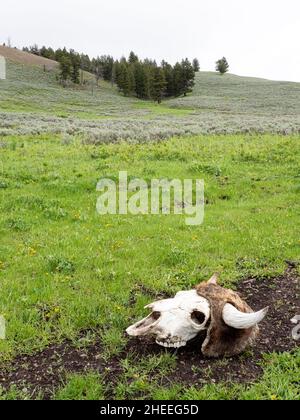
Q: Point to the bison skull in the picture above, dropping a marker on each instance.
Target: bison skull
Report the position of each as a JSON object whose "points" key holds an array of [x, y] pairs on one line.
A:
{"points": [[175, 321]]}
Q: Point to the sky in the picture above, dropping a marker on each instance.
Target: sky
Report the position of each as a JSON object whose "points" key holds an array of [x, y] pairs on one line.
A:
{"points": [[259, 38]]}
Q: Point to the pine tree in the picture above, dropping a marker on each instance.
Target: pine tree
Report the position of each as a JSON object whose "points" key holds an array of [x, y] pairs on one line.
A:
{"points": [[133, 58], [97, 69], [107, 64], [222, 66], [196, 65], [177, 79], [117, 71], [169, 77], [113, 74], [158, 85], [123, 80], [188, 77], [59, 54], [65, 67], [34, 49], [141, 77], [85, 62], [47, 53], [75, 63], [131, 79]]}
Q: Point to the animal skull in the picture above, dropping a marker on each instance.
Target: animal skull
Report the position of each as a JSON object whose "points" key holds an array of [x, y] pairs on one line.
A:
{"points": [[174, 322]]}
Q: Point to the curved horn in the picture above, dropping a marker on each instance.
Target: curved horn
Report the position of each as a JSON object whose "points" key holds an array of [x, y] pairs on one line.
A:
{"points": [[241, 320], [214, 279]]}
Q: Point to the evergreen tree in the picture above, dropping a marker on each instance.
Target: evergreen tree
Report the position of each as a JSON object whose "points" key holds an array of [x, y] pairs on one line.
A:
{"points": [[97, 69], [150, 63], [59, 54], [34, 49], [222, 66], [123, 79], [75, 64], [177, 79], [158, 85], [131, 77], [46, 52], [187, 77], [123, 60], [113, 74], [169, 77], [141, 77], [196, 65], [133, 58], [107, 63], [65, 67], [116, 72], [85, 62]]}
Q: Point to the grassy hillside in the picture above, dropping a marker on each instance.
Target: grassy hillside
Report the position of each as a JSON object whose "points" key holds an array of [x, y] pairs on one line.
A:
{"points": [[31, 101], [243, 95]]}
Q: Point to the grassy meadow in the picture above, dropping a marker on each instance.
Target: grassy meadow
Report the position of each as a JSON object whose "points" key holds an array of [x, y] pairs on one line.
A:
{"points": [[68, 273]]}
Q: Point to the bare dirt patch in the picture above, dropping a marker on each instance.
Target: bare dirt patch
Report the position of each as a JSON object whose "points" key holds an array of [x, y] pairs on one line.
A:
{"points": [[23, 57], [45, 371]]}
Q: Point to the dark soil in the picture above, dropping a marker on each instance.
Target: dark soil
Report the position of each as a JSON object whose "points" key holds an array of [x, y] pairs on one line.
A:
{"points": [[46, 371]]}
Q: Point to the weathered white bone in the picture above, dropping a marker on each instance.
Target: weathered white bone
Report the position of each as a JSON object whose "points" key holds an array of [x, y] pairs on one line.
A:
{"points": [[175, 321], [241, 320], [142, 327]]}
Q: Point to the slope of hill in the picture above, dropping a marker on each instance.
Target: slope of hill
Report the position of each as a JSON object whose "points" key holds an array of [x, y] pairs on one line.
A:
{"points": [[22, 57], [249, 95], [31, 100]]}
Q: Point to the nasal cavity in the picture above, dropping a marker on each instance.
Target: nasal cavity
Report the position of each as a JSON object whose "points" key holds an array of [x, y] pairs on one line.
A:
{"points": [[155, 315]]}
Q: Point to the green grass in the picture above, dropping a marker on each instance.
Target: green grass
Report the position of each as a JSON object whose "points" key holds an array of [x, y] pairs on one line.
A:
{"points": [[64, 268], [161, 109], [279, 382], [82, 387]]}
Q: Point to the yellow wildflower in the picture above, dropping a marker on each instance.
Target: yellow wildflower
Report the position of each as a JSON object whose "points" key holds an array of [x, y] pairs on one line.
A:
{"points": [[31, 252]]}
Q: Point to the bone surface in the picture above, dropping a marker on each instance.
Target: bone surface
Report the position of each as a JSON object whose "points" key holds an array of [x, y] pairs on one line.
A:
{"points": [[173, 322]]}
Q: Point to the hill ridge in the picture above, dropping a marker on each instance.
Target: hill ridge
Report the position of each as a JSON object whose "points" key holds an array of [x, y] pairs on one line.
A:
{"points": [[22, 57]]}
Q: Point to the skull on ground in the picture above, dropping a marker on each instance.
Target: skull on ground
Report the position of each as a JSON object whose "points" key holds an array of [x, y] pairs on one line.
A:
{"points": [[230, 323], [173, 322]]}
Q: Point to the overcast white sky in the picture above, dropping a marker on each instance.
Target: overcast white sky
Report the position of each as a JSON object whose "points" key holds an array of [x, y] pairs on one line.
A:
{"points": [[258, 37]]}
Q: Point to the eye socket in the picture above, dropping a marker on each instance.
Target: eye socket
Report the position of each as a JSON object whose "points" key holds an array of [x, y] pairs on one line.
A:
{"points": [[156, 315], [198, 317]]}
